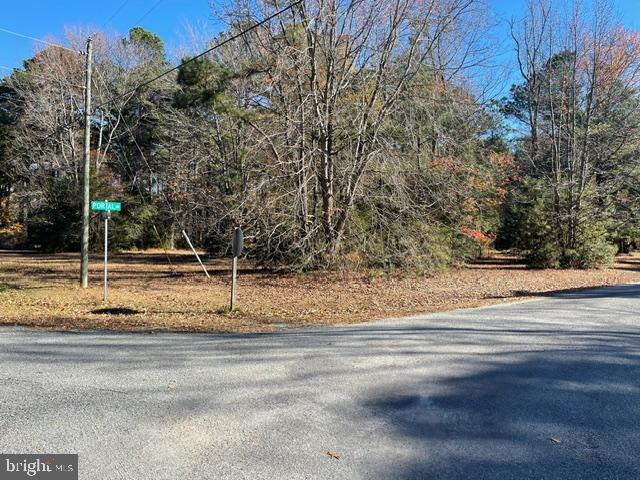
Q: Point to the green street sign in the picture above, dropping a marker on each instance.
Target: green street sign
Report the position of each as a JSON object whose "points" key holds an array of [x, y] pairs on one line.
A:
{"points": [[101, 206]]}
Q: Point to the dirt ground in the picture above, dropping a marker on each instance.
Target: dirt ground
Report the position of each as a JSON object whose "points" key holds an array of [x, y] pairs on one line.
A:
{"points": [[148, 293]]}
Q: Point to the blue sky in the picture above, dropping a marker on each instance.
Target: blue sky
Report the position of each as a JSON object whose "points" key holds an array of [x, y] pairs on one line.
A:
{"points": [[40, 18], [629, 10]]}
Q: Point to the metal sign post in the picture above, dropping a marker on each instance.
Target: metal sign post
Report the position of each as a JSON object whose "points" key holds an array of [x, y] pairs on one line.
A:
{"points": [[236, 249], [106, 207], [106, 215]]}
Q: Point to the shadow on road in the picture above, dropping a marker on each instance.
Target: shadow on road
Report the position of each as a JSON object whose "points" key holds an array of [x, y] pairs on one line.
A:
{"points": [[555, 415], [461, 395], [617, 291]]}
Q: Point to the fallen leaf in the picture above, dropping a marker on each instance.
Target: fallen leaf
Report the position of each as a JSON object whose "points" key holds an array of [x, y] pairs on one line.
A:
{"points": [[333, 455]]}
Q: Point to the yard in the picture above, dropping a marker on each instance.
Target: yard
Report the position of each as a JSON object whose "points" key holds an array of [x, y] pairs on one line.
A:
{"points": [[153, 292]]}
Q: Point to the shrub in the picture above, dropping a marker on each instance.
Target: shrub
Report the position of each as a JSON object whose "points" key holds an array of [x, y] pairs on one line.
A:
{"points": [[593, 249], [406, 242], [55, 229], [546, 255], [13, 236], [529, 226]]}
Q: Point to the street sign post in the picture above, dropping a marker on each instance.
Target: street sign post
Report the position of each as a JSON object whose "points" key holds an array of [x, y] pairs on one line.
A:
{"points": [[106, 207], [236, 249], [106, 214]]}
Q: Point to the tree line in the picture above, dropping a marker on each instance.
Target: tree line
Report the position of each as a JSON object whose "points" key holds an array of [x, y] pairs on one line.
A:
{"points": [[353, 132]]}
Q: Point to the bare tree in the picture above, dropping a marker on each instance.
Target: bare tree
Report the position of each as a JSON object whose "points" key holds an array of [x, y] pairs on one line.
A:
{"points": [[329, 76]]}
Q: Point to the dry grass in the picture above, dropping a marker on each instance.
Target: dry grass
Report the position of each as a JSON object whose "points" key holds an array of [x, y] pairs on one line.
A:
{"points": [[41, 290]]}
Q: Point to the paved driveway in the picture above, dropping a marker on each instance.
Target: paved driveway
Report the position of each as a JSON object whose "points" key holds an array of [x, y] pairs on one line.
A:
{"points": [[546, 389]]}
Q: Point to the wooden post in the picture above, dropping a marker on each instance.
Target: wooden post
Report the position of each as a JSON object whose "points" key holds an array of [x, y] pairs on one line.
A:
{"points": [[86, 173], [234, 274], [237, 245]]}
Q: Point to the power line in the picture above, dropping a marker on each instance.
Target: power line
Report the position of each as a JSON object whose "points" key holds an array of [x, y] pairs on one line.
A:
{"points": [[110, 47], [118, 10], [133, 174], [148, 12], [8, 68], [218, 45], [10, 32], [135, 141]]}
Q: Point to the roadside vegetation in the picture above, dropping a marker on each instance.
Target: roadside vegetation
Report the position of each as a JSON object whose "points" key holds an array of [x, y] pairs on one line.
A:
{"points": [[357, 134]]}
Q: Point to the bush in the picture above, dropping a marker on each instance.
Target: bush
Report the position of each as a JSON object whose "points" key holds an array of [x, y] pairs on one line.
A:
{"points": [[593, 250], [529, 226], [134, 227], [544, 256], [406, 243], [13, 236], [12, 233], [55, 229]]}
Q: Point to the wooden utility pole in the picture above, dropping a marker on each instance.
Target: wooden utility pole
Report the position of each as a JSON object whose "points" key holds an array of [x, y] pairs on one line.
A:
{"points": [[86, 175]]}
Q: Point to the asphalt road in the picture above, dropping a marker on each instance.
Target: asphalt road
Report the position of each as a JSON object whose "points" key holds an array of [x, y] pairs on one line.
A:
{"points": [[546, 389]]}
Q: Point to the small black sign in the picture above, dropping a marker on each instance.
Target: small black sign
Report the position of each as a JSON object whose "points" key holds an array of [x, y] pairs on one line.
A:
{"points": [[238, 242]]}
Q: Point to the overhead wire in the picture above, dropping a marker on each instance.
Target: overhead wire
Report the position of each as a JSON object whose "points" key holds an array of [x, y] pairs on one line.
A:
{"points": [[39, 40], [148, 12], [17, 34], [118, 10], [200, 55], [142, 155], [163, 74], [160, 190], [167, 72], [135, 89]]}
